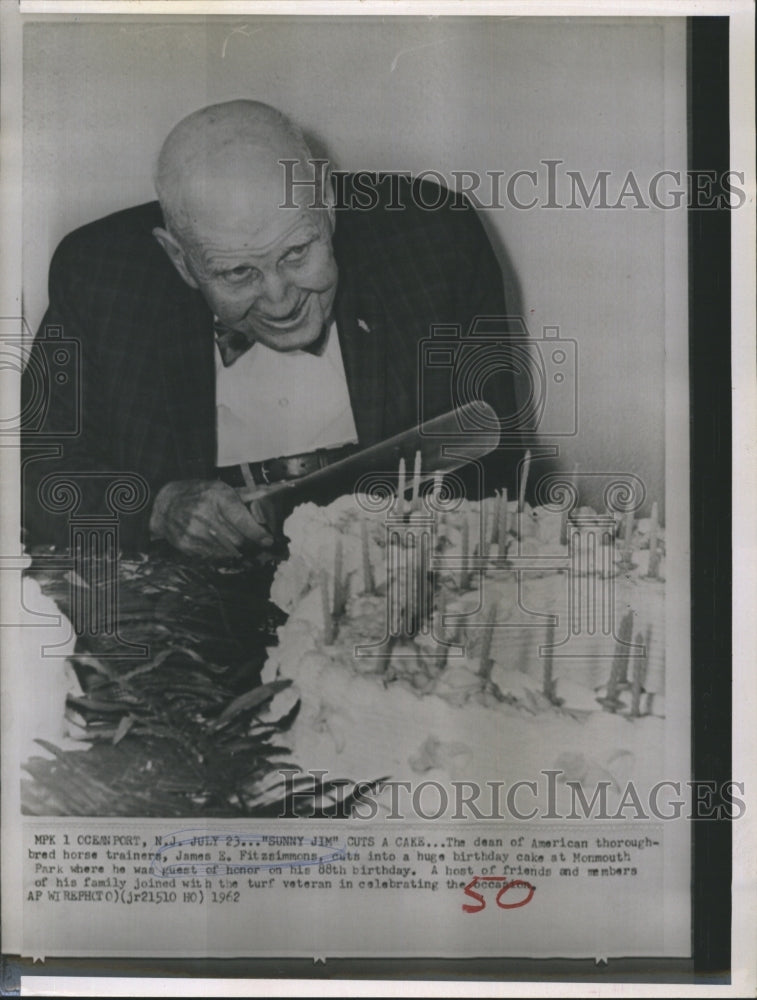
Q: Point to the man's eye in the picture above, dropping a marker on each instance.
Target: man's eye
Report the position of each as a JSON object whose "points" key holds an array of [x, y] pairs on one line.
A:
{"points": [[294, 254], [238, 274]]}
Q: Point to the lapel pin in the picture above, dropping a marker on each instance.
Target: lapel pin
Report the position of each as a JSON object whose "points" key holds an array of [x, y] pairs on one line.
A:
{"points": [[363, 326]]}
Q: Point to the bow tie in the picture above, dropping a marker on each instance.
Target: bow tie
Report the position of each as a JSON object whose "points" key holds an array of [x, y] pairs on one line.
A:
{"points": [[232, 344]]}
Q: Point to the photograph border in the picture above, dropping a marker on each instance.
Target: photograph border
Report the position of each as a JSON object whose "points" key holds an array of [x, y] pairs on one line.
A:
{"points": [[712, 497]]}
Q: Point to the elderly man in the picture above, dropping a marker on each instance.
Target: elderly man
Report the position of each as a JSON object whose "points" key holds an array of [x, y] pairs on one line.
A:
{"points": [[241, 331]]}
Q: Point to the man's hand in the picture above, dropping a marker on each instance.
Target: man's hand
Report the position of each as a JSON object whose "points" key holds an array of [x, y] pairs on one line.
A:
{"points": [[206, 518]]}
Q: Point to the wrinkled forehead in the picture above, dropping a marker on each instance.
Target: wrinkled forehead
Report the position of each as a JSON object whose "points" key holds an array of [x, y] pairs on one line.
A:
{"points": [[247, 205]]}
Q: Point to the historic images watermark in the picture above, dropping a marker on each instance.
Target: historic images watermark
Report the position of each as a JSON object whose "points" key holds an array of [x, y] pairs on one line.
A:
{"points": [[545, 363], [550, 184], [93, 500], [584, 550], [548, 795]]}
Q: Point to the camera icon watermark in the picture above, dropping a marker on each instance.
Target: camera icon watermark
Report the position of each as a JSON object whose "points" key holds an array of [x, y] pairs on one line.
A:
{"points": [[52, 365], [468, 363]]}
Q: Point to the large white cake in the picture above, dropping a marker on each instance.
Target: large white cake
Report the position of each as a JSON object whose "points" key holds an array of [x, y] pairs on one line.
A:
{"points": [[474, 643]]}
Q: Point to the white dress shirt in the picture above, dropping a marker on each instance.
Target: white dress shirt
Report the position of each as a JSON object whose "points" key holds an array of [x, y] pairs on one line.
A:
{"points": [[270, 404]]}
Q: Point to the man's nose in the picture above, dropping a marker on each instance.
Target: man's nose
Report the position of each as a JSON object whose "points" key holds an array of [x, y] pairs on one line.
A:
{"points": [[276, 296]]}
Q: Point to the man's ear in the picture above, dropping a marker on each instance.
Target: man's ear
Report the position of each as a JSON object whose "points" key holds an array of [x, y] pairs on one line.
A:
{"points": [[329, 196], [175, 255]]}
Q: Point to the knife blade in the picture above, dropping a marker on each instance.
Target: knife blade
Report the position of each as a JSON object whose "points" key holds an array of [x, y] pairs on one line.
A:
{"points": [[467, 433]]}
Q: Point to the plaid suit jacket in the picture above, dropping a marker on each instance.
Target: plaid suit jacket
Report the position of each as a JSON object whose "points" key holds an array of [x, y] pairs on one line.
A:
{"points": [[142, 400]]}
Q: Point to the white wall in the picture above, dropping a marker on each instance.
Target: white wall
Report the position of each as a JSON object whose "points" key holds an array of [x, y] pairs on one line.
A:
{"points": [[408, 94]]}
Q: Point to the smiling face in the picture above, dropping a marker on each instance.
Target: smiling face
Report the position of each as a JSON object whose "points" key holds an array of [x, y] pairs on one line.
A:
{"points": [[279, 290], [266, 271], [274, 282]]}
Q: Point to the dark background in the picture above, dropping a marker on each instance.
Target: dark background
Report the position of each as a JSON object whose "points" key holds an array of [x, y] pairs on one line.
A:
{"points": [[710, 392]]}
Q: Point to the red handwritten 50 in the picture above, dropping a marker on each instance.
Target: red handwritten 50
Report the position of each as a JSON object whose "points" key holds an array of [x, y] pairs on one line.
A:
{"points": [[515, 884]]}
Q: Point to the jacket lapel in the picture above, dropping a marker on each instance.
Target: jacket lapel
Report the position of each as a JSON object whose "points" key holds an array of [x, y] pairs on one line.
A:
{"points": [[362, 337], [188, 368]]}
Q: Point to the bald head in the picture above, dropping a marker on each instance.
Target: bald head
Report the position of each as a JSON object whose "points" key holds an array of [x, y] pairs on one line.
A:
{"points": [[225, 158], [260, 254]]}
